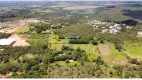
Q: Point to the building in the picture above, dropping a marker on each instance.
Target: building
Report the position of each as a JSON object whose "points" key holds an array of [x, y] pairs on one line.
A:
{"points": [[139, 33], [6, 42], [2, 31], [48, 31]]}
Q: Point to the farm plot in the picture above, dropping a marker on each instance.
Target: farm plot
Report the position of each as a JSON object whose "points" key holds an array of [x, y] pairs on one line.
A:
{"points": [[116, 57], [104, 49]]}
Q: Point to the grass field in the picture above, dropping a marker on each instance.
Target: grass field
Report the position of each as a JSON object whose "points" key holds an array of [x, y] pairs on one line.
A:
{"points": [[43, 11], [90, 49], [23, 29], [134, 49], [115, 57], [37, 39], [86, 11]]}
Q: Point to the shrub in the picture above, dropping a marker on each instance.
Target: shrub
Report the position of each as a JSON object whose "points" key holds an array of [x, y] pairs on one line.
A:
{"points": [[67, 61], [94, 42], [66, 48], [78, 41], [134, 61], [118, 47], [61, 37]]}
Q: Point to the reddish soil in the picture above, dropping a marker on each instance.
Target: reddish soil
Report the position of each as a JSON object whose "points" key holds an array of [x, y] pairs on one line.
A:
{"points": [[11, 29], [104, 49], [20, 40], [4, 76]]}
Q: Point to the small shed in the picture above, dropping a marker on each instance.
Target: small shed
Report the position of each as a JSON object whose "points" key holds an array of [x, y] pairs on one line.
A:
{"points": [[2, 31], [6, 42], [48, 31]]}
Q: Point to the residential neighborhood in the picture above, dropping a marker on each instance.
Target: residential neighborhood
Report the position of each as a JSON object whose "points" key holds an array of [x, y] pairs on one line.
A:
{"points": [[108, 27]]}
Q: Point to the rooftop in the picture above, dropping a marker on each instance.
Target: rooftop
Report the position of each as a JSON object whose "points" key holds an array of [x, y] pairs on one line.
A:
{"points": [[4, 42]]}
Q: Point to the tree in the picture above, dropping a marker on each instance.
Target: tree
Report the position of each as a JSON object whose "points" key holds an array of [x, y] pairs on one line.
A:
{"points": [[45, 59], [32, 62], [67, 61], [99, 60], [118, 47], [134, 61], [61, 37], [26, 66], [94, 42], [39, 27]]}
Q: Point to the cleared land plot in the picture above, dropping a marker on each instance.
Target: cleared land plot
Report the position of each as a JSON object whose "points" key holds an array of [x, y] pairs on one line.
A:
{"points": [[20, 40], [11, 29], [115, 58], [80, 7], [104, 49]]}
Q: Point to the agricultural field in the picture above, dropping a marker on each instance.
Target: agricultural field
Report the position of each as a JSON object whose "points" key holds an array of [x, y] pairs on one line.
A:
{"points": [[37, 39], [43, 11], [86, 11], [23, 29]]}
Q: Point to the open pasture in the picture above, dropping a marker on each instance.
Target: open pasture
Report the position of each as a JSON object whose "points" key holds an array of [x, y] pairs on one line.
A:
{"points": [[80, 7], [85, 11]]}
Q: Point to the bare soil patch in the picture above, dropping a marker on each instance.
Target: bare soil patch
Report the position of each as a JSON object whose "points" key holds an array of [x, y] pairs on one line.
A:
{"points": [[104, 49], [11, 29], [20, 40], [80, 7]]}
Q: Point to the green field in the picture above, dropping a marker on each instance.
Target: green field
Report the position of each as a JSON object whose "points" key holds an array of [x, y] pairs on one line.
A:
{"points": [[37, 39], [90, 49], [86, 11], [23, 29], [43, 11]]}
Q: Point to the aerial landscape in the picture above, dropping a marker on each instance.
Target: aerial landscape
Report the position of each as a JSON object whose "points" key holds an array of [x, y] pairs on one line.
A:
{"points": [[70, 39]]}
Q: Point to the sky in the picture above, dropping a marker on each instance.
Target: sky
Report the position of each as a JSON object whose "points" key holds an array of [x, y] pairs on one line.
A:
{"points": [[70, 0]]}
